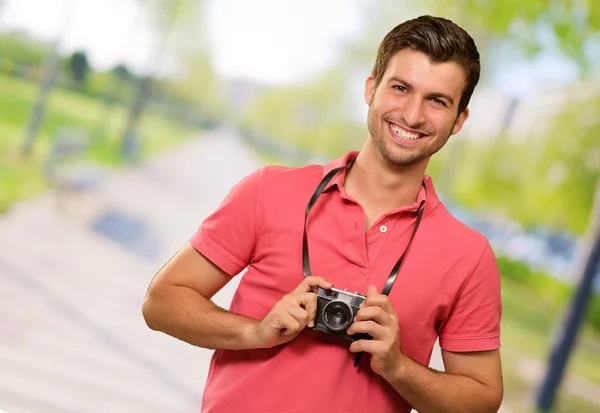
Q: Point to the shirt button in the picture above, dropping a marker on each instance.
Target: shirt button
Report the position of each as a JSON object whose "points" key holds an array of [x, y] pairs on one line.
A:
{"points": [[383, 228]]}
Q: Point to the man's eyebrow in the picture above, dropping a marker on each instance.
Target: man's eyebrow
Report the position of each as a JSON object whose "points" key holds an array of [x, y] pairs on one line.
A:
{"points": [[431, 95], [397, 79]]}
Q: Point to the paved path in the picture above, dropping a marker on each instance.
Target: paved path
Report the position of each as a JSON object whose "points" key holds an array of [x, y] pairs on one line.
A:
{"points": [[72, 337]]}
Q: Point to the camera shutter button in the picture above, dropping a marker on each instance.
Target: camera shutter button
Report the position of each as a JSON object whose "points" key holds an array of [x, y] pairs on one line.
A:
{"points": [[383, 228]]}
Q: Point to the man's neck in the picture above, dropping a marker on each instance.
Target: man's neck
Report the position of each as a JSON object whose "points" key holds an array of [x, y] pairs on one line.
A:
{"points": [[373, 182]]}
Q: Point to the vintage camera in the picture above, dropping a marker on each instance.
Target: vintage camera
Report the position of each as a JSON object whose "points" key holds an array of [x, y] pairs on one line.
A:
{"points": [[335, 312]]}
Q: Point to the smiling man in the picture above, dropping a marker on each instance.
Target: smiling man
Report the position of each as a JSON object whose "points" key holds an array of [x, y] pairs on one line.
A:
{"points": [[373, 225]]}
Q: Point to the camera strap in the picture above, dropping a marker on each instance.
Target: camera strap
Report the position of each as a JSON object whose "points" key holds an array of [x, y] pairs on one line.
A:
{"points": [[394, 273], [311, 203], [305, 256]]}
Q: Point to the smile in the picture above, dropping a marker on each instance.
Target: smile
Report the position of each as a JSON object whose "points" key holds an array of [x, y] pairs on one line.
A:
{"points": [[404, 134]]}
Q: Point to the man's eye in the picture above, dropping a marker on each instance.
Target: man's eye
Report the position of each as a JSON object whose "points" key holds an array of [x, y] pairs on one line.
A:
{"points": [[439, 101], [400, 88]]}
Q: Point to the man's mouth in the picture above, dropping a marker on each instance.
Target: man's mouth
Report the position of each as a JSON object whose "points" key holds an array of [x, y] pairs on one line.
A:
{"points": [[404, 134]]}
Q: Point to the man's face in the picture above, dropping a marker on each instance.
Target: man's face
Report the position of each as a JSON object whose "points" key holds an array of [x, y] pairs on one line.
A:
{"points": [[414, 110]]}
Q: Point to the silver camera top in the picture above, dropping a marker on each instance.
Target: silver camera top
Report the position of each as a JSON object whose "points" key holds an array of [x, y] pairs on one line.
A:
{"points": [[353, 299]]}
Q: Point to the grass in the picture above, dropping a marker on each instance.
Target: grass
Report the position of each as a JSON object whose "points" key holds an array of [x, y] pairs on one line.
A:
{"points": [[23, 178]]}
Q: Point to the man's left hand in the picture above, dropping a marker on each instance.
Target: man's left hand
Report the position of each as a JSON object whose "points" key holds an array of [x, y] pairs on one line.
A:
{"points": [[378, 318]]}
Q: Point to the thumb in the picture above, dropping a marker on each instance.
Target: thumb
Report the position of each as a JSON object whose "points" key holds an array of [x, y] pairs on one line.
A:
{"points": [[372, 290]]}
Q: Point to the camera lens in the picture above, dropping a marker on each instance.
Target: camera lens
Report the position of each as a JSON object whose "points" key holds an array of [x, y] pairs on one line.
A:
{"points": [[337, 315]]}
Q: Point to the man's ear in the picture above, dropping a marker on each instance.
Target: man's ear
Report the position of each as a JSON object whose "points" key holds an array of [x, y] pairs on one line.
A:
{"points": [[369, 90], [460, 121]]}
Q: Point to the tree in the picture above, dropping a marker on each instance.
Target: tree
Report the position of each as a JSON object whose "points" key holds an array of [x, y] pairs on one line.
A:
{"points": [[165, 14], [122, 72], [50, 73], [532, 25], [314, 116], [118, 88], [79, 67], [201, 86]]}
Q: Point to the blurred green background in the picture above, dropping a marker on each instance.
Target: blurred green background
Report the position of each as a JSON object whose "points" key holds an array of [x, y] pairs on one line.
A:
{"points": [[525, 170]]}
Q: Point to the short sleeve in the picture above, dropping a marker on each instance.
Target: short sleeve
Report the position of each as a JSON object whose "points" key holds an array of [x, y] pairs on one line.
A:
{"points": [[473, 323], [227, 237]]}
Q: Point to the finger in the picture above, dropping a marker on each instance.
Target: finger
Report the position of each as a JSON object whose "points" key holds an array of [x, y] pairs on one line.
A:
{"points": [[372, 290], [379, 300], [370, 327], [287, 323], [382, 301], [376, 313], [306, 300], [366, 346], [311, 309], [299, 299], [312, 281], [299, 314], [373, 297]]}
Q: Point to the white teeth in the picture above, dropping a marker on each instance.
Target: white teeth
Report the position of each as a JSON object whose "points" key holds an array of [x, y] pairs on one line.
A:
{"points": [[404, 134]]}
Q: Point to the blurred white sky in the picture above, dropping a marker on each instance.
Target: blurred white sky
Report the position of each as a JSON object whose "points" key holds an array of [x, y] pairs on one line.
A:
{"points": [[271, 41], [103, 27], [278, 40], [268, 40]]}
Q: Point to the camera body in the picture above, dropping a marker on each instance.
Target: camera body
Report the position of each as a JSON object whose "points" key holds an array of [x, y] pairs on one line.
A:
{"points": [[336, 310]]}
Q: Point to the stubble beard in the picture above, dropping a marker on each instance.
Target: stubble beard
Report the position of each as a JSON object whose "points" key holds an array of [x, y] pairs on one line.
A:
{"points": [[397, 157]]}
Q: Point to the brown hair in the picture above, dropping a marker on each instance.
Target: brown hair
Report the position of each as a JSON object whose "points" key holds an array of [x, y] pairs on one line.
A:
{"points": [[441, 40]]}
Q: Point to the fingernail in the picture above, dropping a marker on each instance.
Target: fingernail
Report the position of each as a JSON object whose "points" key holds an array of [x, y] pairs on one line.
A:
{"points": [[311, 324]]}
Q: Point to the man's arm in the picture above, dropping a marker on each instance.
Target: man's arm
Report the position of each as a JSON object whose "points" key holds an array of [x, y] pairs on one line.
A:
{"points": [[178, 299], [178, 304], [472, 383]]}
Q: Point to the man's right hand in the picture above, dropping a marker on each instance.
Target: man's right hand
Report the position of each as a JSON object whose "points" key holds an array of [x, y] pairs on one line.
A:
{"points": [[290, 315]]}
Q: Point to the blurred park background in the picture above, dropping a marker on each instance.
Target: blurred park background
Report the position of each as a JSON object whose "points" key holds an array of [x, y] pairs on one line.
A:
{"points": [[124, 122]]}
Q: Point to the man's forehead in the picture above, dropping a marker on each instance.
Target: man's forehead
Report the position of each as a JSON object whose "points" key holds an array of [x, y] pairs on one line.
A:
{"points": [[418, 69]]}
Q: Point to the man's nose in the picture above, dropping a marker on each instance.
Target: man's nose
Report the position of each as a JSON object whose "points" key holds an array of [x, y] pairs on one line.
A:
{"points": [[414, 114]]}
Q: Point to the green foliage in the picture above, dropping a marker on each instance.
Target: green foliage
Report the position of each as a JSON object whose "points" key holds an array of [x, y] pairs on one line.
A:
{"points": [[543, 179], [166, 13], [546, 178], [22, 179], [199, 86], [571, 24], [312, 117], [23, 50], [546, 289], [544, 286], [79, 67], [122, 72]]}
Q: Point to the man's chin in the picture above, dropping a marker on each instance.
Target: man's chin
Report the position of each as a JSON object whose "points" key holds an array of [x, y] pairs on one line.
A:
{"points": [[400, 161], [400, 158]]}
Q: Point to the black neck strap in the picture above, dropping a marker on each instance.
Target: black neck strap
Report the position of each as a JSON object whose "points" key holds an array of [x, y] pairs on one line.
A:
{"points": [[305, 256], [394, 273]]}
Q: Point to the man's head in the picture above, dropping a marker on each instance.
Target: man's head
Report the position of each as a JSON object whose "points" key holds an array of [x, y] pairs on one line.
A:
{"points": [[424, 75]]}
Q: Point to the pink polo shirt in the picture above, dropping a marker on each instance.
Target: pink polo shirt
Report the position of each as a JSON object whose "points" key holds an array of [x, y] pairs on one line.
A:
{"points": [[448, 286]]}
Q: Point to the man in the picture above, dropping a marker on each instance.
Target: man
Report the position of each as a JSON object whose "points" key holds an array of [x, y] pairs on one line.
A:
{"points": [[268, 356]]}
